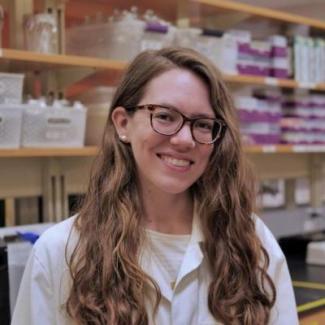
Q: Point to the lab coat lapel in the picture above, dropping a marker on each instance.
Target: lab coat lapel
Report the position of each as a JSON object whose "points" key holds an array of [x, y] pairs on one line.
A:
{"points": [[193, 255], [151, 265]]}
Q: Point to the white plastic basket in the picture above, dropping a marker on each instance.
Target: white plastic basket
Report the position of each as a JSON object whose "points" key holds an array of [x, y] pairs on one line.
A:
{"points": [[11, 88], [53, 126], [10, 125]]}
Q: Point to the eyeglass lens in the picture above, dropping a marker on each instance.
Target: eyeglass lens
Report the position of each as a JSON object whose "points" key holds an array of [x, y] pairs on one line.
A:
{"points": [[168, 121]]}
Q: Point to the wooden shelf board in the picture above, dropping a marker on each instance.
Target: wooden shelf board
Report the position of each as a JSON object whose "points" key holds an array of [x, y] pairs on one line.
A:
{"points": [[90, 151], [40, 61], [48, 152], [320, 86], [262, 12], [110, 78], [110, 70], [256, 80], [285, 148]]}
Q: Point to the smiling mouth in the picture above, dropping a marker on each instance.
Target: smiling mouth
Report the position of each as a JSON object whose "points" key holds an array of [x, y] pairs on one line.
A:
{"points": [[175, 162]]}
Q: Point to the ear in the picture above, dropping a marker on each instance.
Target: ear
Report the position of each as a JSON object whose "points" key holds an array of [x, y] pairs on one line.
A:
{"points": [[121, 121]]}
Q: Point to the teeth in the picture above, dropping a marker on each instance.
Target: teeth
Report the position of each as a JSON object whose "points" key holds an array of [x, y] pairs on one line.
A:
{"points": [[176, 162]]}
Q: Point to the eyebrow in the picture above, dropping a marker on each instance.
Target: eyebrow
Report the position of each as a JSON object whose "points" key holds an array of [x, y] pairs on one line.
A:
{"points": [[195, 115]]}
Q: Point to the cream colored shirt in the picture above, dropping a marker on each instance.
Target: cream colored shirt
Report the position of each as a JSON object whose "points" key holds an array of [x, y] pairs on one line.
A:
{"points": [[46, 282], [168, 251]]}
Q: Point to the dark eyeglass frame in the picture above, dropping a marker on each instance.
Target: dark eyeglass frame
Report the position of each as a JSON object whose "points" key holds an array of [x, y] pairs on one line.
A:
{"points": [[151, 108]]}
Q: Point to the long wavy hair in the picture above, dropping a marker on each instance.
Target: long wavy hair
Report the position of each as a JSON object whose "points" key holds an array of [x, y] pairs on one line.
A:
{"points": [[108, 285]]}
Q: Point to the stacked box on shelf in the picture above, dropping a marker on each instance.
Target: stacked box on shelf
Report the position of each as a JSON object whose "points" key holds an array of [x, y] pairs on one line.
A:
{"points": [[10, 125], [11, 91], [187, 37], [259, 119], [157, 35], [208, 45], [157, 32], [302, 59], [53, 126], [244, 63], [309, 59], [280, 63], [303, 120], [220, 48], [11, 88], [254, 59], [268, 57], [320, 60]]}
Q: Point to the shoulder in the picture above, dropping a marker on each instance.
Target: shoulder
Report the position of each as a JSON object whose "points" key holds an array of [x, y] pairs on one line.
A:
{"points": [[46, 281], [277, 260], [267, 238], [52, 244], [57, 234], [284, 311]]}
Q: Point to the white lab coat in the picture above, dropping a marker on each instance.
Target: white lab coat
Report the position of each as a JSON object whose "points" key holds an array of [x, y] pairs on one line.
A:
{"points": [[46, 282]]}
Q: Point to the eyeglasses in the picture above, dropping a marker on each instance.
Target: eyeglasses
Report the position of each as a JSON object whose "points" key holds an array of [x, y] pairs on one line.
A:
{"points": [[168, 121]]}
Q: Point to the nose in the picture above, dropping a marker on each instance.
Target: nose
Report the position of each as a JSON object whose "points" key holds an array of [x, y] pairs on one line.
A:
{"points": [[183, 137]]}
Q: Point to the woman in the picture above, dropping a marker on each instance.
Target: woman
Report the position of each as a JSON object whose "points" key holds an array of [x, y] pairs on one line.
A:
{"points": [[166, 233]]}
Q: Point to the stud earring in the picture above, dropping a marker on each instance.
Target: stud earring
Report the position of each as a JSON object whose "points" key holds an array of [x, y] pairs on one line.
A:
{"points": [[123, 138]]}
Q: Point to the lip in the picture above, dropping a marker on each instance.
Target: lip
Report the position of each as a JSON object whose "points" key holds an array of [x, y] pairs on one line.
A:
{"points": [[172, 166], [176, 156]]}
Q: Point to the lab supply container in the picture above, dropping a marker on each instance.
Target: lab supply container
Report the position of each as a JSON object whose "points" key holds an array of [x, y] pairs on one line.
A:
{"points": [[53, 126], [117, 37], [157, 35], [11, 88], [10, 125], [41, 33]]}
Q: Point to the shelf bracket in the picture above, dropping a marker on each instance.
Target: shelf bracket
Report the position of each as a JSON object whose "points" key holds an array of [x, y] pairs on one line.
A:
{"points": [[290, 185], [10, 213], [317, 185], [54, 196]]}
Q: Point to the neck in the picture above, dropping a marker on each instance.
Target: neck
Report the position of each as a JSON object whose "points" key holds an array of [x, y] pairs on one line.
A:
{"points": [[167, 213]]}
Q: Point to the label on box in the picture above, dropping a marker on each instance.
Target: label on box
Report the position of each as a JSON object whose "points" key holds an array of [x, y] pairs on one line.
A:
{"points": [[55, 135], [309, 148], [271, 81], [299, 148], [58, 121], [308, 85], [269, 148]]}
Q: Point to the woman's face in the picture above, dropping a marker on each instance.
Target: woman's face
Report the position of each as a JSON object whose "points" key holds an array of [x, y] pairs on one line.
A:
{"points": [[170, 164]]}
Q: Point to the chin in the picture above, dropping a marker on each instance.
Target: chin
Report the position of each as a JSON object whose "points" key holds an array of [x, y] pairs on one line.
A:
{"points": [[174, 188]]}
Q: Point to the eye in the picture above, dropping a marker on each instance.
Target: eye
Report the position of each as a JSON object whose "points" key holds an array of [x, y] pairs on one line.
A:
{"points": [[164, 116], [204, 125]]}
